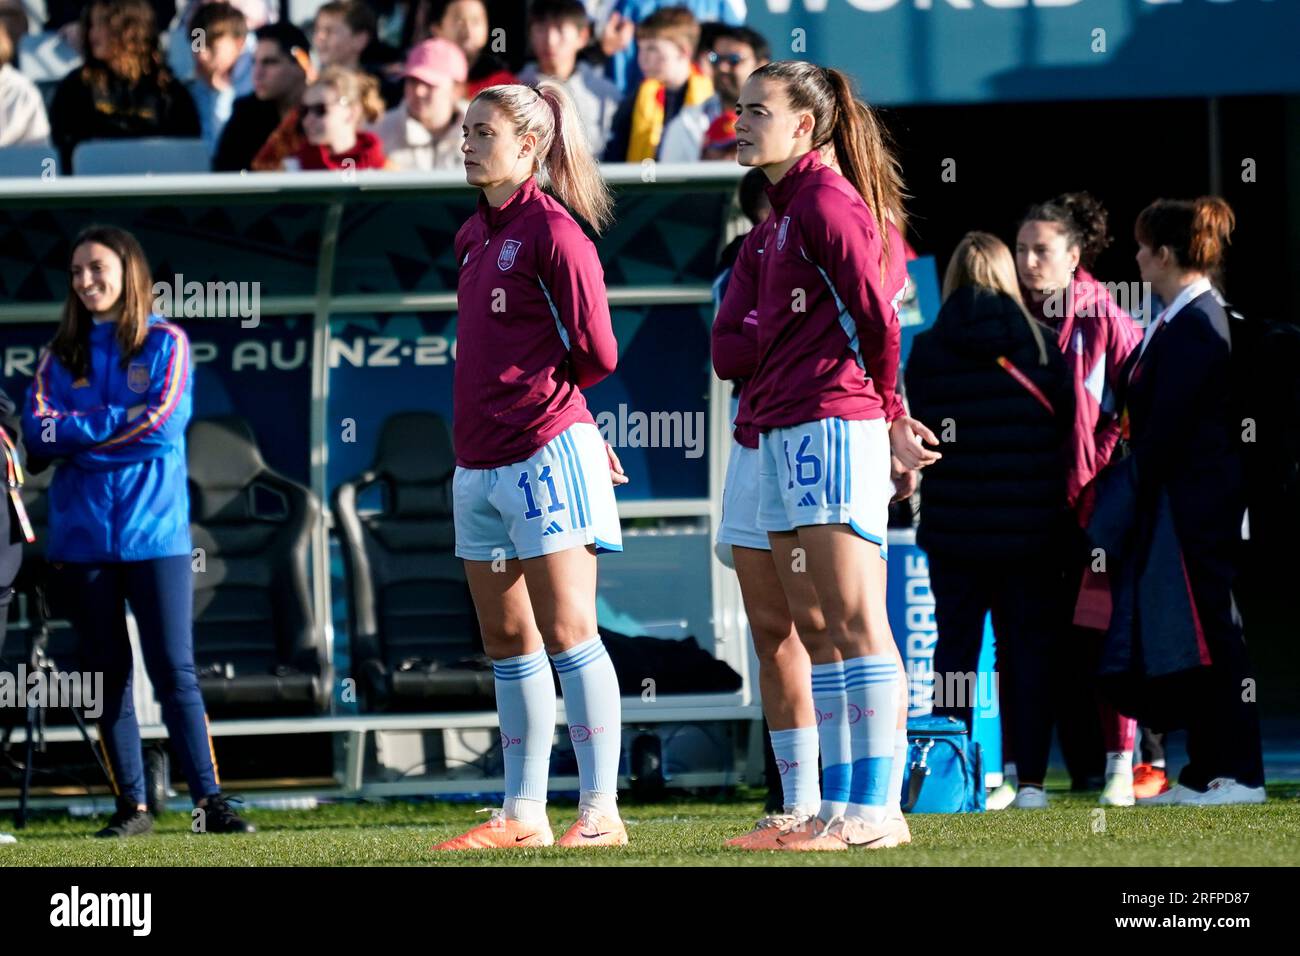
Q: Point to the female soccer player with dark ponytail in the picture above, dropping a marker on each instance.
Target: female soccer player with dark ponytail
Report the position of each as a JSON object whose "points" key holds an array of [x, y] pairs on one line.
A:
{"points": [[534, 497], [830, 274]]}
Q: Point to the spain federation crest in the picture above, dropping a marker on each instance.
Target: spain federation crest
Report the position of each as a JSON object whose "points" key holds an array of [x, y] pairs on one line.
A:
{"points": [[782, 232], [509, 250], [137, 378]]}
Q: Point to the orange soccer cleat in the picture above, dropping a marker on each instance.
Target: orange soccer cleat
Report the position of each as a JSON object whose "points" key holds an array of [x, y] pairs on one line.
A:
{"points": [[845, 832], [812, 835], [765, 832], [1149, 781], [594, 828], [501, 833]]}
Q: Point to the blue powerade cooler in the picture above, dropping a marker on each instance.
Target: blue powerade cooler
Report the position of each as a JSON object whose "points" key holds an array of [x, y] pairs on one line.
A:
{"points": [[937, 744]]}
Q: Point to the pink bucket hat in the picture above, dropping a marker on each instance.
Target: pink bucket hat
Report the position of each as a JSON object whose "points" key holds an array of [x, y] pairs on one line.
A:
{"points": [[435, 60]]}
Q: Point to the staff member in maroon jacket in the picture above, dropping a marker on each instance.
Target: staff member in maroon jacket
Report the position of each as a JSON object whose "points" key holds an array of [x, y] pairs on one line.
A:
{"points": [[534, 498]]}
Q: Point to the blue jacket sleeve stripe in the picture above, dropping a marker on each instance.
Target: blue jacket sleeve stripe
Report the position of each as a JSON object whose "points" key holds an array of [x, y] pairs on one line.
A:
{"points": [[178, 368]]}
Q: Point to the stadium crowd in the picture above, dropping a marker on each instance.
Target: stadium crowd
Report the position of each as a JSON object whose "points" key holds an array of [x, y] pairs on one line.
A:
{"points": [[356, 89]]}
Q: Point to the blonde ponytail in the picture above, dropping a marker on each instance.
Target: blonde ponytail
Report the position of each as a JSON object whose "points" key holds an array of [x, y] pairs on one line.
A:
{"points": [[547, 111]]}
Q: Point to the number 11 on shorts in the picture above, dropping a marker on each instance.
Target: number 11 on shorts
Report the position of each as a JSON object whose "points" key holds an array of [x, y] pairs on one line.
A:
{"points": [[544, 476]]}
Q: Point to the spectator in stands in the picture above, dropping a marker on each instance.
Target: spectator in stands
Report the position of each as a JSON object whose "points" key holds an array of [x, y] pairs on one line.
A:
{"points": [[720, 139], [15, 21], [181, 41], [558, 30], [341, 32], [346, 34], [736, 52], [333, 111], [280, 72], [22, 110], [666, 42], [66, 18], [424, 132], [123, 90], [465, 23], [995, 384], [1057, 243], [220, 31], [618, 38]]}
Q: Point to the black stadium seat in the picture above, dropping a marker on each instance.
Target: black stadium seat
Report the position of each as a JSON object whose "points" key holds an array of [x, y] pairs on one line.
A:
{"points": [[257, 650], [414, 634]]}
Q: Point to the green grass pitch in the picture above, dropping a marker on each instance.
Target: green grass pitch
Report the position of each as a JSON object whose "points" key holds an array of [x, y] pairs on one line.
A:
{"points": [[683, 831]]}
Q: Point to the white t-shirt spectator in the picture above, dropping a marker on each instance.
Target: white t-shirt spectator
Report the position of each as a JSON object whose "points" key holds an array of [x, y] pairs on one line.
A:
{"points": [[595, 96], [22, 111], [409, 145], [683, 137]]}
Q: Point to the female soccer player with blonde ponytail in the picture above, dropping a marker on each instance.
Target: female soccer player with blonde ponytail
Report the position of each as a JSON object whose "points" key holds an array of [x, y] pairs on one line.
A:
{"points": [[534, 484]]}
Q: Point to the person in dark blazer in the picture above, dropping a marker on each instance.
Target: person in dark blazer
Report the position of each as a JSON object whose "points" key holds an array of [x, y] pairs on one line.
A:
{"points": [[1179, 422], [994, 510]]}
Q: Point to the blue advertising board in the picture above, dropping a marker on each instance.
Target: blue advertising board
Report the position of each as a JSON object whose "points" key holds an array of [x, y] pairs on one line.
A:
{"points": [[906, 52]]}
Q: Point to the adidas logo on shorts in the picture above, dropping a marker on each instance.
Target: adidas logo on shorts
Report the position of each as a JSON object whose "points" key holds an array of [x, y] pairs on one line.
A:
{"points": [[807, 501], [552, 528]]}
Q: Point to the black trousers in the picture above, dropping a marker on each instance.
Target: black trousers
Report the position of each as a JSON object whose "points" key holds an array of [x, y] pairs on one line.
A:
{"points": [[1222, 718], [1025, 599]]}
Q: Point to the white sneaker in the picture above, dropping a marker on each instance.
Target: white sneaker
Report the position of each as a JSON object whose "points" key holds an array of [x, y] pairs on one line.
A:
{"points": [[1176, 795], [6, 838], [1223, 791], [1030, 798], [1001, 797], [1118, 791]]}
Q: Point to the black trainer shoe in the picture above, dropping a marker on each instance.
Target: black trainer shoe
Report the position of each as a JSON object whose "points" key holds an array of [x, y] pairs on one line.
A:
{"points": [[220, 817], [128, 821]]}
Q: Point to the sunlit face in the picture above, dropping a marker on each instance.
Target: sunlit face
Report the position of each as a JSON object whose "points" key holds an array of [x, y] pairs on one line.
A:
{"points": [[99, 37], [493, 153], [217, 55], [661, 59], [1045, 261], [430, 104], [96, 276], [276, 75], [327, 118], [556, 44], [465, 23], [732, 61], [335, 44], [768, 131]]}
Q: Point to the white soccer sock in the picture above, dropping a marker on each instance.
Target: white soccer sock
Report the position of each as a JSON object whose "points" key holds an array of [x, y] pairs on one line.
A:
{"points": [[1119, 762]]}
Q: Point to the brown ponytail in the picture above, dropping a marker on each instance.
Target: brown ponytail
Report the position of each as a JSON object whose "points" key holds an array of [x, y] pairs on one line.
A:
{"points": [[1196, 231], [864, 151], [863, 147]]}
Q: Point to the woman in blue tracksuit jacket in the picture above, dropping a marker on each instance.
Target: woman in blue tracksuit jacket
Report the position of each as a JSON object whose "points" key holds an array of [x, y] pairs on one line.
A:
{"points": [[110, 400]]}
